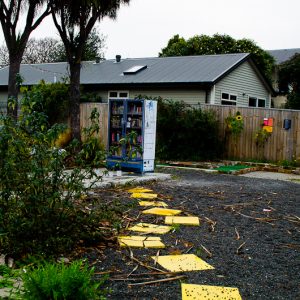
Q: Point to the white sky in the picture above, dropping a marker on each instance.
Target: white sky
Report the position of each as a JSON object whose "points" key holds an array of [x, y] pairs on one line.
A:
{"points": [[144, 27]]}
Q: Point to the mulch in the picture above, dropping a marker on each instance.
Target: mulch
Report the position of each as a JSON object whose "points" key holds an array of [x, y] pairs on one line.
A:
{"points": [[249, 231]]}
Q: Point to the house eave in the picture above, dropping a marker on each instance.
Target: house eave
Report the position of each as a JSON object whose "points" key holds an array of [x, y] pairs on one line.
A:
{"points": [[153, 85]]}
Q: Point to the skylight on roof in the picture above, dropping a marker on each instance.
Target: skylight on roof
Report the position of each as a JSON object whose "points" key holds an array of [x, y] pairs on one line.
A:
{"points": [[134, 70]]}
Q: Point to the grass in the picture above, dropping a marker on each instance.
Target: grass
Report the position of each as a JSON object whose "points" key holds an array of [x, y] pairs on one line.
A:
{"points": [[229, 169]]}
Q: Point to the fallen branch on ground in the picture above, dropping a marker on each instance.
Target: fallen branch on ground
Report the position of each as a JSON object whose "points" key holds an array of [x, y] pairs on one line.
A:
{"points": [[267, 220], [158, 281]]}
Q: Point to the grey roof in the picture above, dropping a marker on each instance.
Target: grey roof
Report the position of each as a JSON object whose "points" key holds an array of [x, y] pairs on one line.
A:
{"points": [[162, 70], [282, 55]]}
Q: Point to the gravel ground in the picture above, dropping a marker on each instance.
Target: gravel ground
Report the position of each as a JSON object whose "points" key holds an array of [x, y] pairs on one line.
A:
{"points": [[249, 226]]}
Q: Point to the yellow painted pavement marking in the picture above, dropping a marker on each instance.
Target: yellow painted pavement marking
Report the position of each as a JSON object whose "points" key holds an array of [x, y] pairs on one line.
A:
{"points": [[194, 221], [143, 196], [174, 263], [153, 203], [184, 262], [207, 292], [150, 228], [139, 190], [162, 211], [140, 242]]}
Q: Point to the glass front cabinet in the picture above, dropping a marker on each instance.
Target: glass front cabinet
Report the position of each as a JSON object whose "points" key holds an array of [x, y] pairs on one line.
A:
{"points": [[132, 135]]}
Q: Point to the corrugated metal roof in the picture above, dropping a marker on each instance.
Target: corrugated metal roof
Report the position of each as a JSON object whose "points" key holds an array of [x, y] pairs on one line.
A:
{"points": [[282, 55], [164, 70]]}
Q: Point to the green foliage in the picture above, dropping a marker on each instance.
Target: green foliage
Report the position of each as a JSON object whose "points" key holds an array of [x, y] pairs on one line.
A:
{"points": [[40, 207], [6, 274], [89, 97], [293, 101], [261, 137], [60, 282], [289, 163], [52, 99], [234, 125], [186, 132], [219, 44], [92, 151], [289, 81]]}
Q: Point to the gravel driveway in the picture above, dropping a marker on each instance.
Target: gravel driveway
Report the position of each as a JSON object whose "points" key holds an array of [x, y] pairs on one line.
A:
{"points": [[249, 231]]}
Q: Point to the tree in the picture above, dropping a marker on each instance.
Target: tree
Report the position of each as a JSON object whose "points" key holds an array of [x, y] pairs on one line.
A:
{"points": [[47, 50], [218, 44], [40, 50], [10, 15], [289, 81], [74, 21], [92, 50]]}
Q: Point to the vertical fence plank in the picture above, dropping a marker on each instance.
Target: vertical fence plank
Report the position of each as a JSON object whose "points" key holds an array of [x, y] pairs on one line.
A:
{"points": [[281, 145], [85, 113]]}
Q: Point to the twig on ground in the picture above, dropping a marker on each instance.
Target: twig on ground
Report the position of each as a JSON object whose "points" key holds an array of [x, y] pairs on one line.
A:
{"points": [[239, 204], [130, 219], [206, 250], [240, 247], [188, 250], [145, 265], [158, 281], [211, 223], [134, 269], [292, 246], [156, 257], [103, 273], [150, 274], [127, 279], [237, 234], [267, 220], [293, 219]]}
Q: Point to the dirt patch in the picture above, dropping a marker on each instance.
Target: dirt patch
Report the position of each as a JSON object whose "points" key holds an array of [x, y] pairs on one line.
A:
{"points": [[249, 231]]}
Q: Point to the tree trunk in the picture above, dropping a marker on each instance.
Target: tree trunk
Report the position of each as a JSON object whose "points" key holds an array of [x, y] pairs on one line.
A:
{"points": [[74, 111], [13, 85]]}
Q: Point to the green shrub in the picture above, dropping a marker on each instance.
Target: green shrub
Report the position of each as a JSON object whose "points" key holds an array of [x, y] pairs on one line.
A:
{"points": [[186, 132], [55, 100], [60, 282], [41, 211], [92, 150]]}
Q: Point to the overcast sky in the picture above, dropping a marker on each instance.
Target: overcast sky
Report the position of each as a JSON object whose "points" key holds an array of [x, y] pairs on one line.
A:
{"points": [[144, 27]]}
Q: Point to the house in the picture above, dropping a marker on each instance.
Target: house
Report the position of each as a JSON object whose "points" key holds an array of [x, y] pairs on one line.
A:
{"points": [[227, 79], [280, 56]]}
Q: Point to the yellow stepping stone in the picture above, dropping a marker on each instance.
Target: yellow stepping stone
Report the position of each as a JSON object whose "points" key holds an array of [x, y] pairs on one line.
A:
{"points": [[209, 292], [184, 262], [139, 190], [162, 211], [150, 228], [140, 242], [143, 196], [182, 220], [153, 203]]}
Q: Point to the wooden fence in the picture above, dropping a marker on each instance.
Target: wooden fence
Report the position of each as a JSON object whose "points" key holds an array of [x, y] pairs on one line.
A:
{"points": [[281, 145], [85, 113]]}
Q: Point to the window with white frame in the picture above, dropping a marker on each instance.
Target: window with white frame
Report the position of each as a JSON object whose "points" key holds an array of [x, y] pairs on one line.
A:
{"points": [[118, 95], [228, 98], [256, 102]]}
